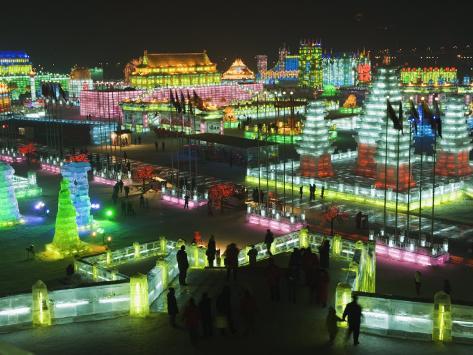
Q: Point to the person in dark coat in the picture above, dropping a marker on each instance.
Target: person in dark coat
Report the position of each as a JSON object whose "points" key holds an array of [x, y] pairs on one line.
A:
{"points": [[173, 310], [268, 240], [183, 265], [324, 251], [211, 250], [353, 313], [205, 308], [358, 218], [231, 260], [186, 201], [252, 255]]}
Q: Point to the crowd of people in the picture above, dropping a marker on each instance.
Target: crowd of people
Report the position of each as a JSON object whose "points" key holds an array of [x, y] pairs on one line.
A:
{"points": [[305, 270]]}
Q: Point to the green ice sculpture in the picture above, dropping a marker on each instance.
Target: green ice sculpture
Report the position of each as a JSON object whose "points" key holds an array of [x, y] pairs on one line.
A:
{"points": [[66, 235], [9, 214]]}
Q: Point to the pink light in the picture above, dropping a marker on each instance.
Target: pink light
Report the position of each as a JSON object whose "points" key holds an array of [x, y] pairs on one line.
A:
{"points": [[104, 181], [273, 224], [395, 253], [51, 168], [105, 104], [253, 219], [180, 201], [381, 249], [411, 257]]}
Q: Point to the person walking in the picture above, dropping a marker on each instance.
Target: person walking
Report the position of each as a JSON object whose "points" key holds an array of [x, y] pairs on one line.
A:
{"points": [[120, 186], [322, 192], [183, 265], [211, 251], [186, 201], [205, 309], [324, 252], [418, 281], [127, 190], [301, 191], [173, 310], [191, 319], [142, 201], [273, 276], [268, 240], [353, 312], [252, 255], [331, 323], [209, 207]]}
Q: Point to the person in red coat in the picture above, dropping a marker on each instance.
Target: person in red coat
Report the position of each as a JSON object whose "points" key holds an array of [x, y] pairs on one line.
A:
{"points": [[191, 317]]}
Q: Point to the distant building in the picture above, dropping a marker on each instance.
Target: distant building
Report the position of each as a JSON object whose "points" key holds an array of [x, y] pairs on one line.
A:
{"points": [[16, 71], [238, 71], [286, 69], [80, 80], [96, 73], [429, 76], [346, 69], [173, 69], [310, 65]]}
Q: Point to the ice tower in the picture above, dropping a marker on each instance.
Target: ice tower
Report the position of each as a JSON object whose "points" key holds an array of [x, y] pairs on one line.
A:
{"points": [[9, 213], [385, 83], [76, 173], [315, 146], [453, 149], [66, 234]]}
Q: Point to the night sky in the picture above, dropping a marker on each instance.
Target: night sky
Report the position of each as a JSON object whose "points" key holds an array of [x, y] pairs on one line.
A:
{"points": [[86, 34]]}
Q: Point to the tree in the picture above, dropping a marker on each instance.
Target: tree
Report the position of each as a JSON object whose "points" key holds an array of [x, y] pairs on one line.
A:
{"points": [[144, 173], [28, 151], [333, 213]]}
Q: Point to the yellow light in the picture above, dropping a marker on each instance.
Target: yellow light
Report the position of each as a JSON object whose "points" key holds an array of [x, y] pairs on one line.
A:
{"points": [[139, 304]]}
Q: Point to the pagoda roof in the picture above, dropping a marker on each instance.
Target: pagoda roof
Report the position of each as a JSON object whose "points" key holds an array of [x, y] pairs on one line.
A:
{"points": [[238, 70], [156, 60]]}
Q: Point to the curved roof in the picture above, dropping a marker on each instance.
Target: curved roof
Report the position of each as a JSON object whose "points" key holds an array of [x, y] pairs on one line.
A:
{"points": [[177, 59]]}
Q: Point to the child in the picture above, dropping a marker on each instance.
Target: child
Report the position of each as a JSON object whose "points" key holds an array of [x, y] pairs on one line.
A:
{"points": [[331, 322]]}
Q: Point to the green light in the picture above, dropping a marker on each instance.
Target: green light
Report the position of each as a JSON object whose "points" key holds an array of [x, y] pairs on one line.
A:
{"points": [[109, 213]]}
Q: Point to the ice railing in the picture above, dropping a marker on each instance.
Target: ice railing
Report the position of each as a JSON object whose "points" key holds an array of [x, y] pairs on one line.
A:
{"points": [[110, 294], [444, 192], [415, 318]]}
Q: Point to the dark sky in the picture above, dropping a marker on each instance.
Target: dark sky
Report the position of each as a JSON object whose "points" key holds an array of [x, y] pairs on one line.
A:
{"points": [[88, 33]]}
